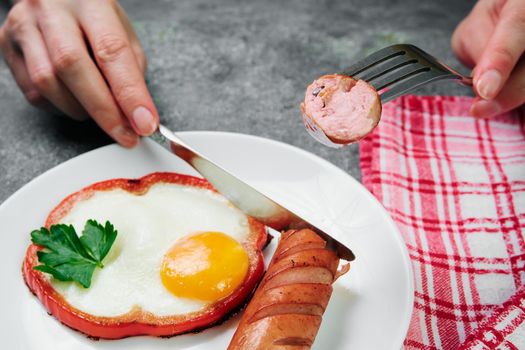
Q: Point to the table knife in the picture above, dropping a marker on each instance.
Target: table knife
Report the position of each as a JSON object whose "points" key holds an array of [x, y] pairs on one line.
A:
{"points": [[250, 201]]}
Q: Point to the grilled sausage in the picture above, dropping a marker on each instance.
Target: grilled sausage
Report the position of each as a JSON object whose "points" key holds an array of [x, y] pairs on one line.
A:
{"points": [[345, 109], [287, 307]]}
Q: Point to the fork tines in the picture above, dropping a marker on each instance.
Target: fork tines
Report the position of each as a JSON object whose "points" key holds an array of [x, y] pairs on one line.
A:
{"points": [[399, 68]]}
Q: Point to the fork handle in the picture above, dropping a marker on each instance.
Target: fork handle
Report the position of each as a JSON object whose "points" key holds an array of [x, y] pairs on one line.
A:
{"points": [[388, 95]]}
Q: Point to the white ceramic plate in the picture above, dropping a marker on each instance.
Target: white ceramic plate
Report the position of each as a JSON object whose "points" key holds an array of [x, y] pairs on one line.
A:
{"points": [[369, 309]]}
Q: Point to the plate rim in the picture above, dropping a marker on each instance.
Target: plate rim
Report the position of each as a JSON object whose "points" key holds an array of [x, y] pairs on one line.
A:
{"points": [[398, 237]]}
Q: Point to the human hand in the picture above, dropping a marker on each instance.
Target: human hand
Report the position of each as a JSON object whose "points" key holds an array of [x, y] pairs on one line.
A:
{"points": [[492, 40], [82, 57]]}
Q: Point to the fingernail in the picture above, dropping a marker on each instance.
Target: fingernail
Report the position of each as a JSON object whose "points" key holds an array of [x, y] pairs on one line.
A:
{"points": [[125, 135], [144, 121], [488, 84], [485, 109]]}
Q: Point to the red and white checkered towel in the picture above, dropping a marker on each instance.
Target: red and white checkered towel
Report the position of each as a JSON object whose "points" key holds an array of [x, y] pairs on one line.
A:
{"points": [[455, 186]]}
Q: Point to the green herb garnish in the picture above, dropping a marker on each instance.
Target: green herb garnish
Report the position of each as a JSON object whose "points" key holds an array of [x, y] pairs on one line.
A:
{"points": [[71, 258]]}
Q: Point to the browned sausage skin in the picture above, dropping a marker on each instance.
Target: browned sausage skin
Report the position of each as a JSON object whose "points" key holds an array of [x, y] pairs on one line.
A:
{"points": [[287, 307]]}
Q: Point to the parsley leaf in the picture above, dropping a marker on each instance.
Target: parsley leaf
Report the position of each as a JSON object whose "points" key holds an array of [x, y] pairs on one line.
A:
{"points": [[71, 258], [98, 239]]}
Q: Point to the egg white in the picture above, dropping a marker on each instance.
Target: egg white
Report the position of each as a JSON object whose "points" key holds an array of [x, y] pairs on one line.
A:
{"points": [[148, 225]]}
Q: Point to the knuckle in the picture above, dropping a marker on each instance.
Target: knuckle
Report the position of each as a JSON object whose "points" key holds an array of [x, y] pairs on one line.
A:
{"points": [[42, 78], [505, 56], [16, 17], [126, 92], [65, 58], [109, 47]]}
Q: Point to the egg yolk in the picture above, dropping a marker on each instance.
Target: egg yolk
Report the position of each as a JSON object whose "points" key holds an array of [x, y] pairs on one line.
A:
{"points": [[207, 266]]}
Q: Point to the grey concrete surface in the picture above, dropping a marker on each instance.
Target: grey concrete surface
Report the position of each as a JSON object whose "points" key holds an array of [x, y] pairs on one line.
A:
{"points": [[234, 65]]}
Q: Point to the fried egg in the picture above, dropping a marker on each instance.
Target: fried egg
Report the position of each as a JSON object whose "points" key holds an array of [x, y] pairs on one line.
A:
{"points": [[178, 249]]}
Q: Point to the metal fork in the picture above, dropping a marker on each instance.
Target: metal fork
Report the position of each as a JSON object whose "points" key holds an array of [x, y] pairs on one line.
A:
{"points": [[402, 68], [394, 71]]}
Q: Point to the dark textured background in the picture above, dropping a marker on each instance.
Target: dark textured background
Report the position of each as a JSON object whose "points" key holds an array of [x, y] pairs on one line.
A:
{"points": [[234, 65]]}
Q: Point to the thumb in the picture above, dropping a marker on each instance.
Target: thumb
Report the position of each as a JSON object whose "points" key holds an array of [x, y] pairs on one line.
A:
{"points": [[502, 52], [511, 96]]}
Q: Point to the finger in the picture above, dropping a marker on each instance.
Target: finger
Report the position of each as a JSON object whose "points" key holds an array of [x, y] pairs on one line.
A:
{"points": [[503, 50], [460, 47], [42, 75], [115, 58], [71, 61], [133, 38], [17, 67], [511, 96], [471, 35]]}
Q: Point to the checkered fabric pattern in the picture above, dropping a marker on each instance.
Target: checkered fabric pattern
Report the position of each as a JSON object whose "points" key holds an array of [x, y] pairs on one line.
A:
{"points": [[455, 186]]}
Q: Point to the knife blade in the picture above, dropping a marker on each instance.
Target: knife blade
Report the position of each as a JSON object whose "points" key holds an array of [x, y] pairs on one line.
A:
{"points": [[246, 198]]}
